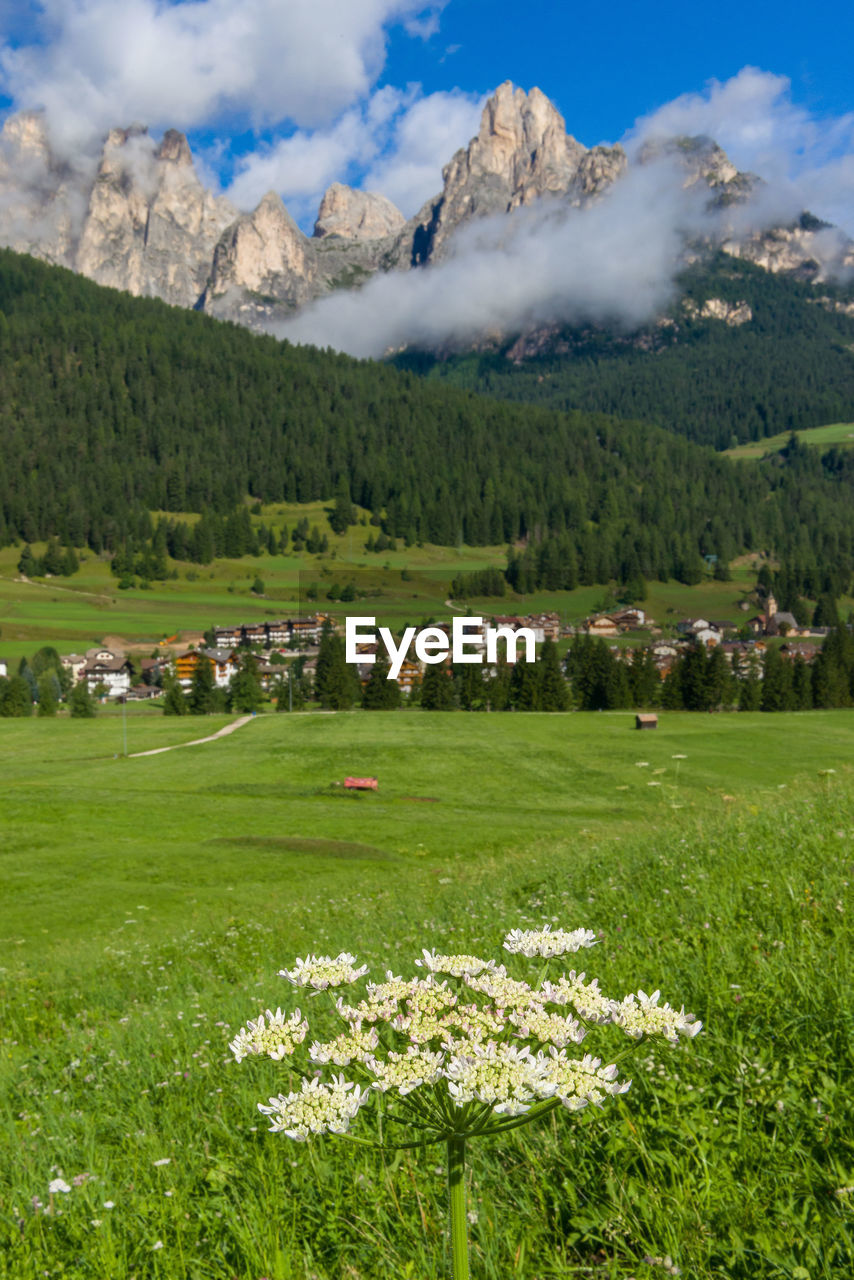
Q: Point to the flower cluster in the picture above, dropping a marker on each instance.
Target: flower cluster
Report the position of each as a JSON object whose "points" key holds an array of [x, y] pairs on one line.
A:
{"points": [[320, 972], [464, 1049], [642, 1015], [317, 1108], [542, 942], [275, 1034]]}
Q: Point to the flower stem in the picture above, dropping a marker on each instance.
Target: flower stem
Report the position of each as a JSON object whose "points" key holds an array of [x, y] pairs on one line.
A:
{"points": [[457, 1199]]}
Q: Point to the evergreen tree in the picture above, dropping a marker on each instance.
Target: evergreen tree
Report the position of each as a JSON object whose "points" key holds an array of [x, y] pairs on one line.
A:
{"points": [[719, 681], [28, 566], [750, 687], [244, 690], [801, 685], [201, 700], [776, 682], [554, 695], [469, 687], [342, 514], [524, 687], [336, 684], [380, 693], [833, 671], [15, 698], [826, 614], [644, 680], [437, 688], [81, 702], [48, 690], [174, 703]]}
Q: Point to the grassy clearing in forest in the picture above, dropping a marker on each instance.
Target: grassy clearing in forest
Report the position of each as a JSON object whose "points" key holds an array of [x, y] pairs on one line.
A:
{"points": [[149, 903]]}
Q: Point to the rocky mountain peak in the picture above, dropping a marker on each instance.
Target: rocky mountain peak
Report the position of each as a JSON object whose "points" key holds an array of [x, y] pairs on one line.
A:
{"points": [[356, 215], [522, 152], [700, 157], [26, 134], [175, 148]]}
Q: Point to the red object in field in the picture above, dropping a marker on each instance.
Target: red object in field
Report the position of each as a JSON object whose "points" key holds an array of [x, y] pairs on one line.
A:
{"points": [[361, 784]]}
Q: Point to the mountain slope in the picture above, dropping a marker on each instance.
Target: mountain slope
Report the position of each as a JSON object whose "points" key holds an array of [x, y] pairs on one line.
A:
{"points": [[744, 354], [111, 406], [141, 220]]}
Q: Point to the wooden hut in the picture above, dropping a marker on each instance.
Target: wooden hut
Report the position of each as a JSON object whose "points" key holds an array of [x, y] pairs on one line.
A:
{"points": [[646, 721]]}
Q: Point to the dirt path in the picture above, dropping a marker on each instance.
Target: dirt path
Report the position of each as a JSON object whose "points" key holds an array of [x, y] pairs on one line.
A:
{"points": [[197, 742]]}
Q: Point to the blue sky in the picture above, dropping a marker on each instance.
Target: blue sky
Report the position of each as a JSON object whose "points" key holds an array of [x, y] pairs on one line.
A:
{"points": [[290, 95]]}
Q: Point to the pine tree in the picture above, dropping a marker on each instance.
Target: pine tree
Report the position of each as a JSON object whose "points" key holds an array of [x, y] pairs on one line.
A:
{"points": [[380, 693], [750, 687], [48, 690], [525, 687], [244, 691], [342, 514], [776, 683], [15, 698], [81, 702], [437, 688], [554, 695], [336, 684], [201, 700], [174, 703]]}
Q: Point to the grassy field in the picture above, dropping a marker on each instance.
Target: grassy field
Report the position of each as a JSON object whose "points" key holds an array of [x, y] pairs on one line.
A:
{"points": [[397, 587], [149, 902], [836, 433]]}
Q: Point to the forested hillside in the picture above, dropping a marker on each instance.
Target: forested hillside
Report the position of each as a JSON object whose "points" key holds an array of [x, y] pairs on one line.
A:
{"points": [[790, 366], [111, 406]]}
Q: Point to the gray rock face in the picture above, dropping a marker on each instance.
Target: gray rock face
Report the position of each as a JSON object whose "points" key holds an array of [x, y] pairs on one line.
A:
{"points": [[151, 227], [522, 153], [145, 223], [41, 207], [356, 215], [262, 265]]}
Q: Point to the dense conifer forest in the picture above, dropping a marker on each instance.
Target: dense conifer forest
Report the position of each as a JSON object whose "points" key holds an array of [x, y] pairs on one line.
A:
{"points": [[111, 407], [791, 366]]}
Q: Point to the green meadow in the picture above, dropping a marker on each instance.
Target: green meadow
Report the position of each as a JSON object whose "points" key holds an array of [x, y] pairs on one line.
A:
{"points": [[401, 587], [835, 433], [149, 902]]}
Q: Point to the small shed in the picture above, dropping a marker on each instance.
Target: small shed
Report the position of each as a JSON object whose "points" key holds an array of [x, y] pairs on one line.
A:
{"points": [[361, 784], [646, 721]]}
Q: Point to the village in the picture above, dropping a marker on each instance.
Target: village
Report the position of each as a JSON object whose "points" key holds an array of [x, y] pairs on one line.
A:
{"points": [[113, 673]]}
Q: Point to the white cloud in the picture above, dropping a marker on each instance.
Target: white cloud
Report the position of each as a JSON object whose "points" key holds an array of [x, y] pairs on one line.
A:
{"points": [[805, 157], [614, 261], [396, 143], [425, 138], [102, 62]]}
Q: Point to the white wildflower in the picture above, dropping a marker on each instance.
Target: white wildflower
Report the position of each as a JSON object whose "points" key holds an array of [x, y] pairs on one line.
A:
{"points": [[317, 1108], [586, 998], [535, 1023], [354, 1044], [320, 972], [503, 1075], [58, 1185], [504, 992], [543, 942], [275, 1034], [578, 1082], [642, 1015], [472, 1023], [406, 1071], [159, 1163], [454, 966]]}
